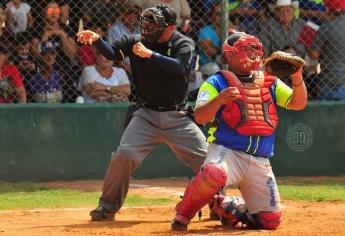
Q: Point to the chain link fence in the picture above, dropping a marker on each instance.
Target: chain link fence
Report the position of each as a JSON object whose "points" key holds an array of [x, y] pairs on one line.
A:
{"points": [[41, 62]]}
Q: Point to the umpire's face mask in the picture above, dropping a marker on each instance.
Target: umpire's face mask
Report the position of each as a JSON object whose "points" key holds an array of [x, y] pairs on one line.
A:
{"points": [[152, 25]]}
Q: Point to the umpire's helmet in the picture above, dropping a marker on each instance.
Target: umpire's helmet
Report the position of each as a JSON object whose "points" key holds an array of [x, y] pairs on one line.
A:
{"points": [[154, 20]]}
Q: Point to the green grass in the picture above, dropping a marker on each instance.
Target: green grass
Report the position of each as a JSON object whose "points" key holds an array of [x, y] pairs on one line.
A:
{"points": [[313, 193], [33, 195]]}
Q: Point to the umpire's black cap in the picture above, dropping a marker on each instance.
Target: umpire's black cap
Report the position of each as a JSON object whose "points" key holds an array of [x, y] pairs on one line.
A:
{"points": [[169, 14]]}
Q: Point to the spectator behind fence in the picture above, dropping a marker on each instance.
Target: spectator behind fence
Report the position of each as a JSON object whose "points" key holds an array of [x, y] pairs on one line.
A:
{"points": [[206, 71], [46, 84], [329, 48], [313, 10], [51, 30], [103, 10], [6, 35], [20, 17], [11, 84], [104, 83], [127, 24], [38, 5], [87, 53], [283, 30], [245, 15], [209, 37], [23, 59]]}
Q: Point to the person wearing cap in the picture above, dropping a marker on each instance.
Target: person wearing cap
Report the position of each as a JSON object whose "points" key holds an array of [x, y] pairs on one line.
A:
{"points": [[328, 48], [50, 29], [240, 106], [199, 77], [282, 31], [46, 85], [160, 60]]}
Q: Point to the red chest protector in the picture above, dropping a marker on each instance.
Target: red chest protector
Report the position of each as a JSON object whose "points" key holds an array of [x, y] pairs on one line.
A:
{"points": [[254, 113]]}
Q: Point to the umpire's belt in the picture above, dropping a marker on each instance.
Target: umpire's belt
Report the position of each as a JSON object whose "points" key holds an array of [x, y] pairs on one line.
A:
{"points": [[178, 107]]}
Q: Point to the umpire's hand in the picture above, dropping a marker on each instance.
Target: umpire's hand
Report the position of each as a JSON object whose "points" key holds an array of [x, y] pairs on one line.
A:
{"points": [[87, 37], [140, 50]]}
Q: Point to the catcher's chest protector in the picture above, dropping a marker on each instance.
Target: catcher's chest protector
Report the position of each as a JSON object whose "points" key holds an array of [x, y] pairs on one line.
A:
{"points": [[255, 112]]}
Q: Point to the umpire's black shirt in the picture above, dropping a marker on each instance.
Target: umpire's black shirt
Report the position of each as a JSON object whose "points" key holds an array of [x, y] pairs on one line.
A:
{"points": [[159, 86]]}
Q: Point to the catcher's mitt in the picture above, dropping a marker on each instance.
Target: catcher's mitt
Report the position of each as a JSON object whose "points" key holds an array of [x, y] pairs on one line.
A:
{"points": [[282, 64]]}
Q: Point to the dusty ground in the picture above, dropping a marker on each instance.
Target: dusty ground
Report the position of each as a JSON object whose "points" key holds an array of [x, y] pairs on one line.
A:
{"points": [[300, 218]]}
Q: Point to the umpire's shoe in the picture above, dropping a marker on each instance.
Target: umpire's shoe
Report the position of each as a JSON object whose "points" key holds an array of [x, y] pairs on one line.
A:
{"points": [[101, 214]]}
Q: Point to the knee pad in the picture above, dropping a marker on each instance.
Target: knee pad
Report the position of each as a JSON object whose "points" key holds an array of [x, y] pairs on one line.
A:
{"points": [[202, 188], [211, 179], [267, 220]]}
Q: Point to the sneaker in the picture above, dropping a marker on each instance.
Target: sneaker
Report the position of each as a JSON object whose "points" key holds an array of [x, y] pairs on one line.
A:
{"points": [[101, 214], [180, 223]]}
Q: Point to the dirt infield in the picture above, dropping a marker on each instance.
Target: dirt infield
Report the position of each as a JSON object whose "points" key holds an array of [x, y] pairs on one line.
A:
{"points": [[300, 218]]}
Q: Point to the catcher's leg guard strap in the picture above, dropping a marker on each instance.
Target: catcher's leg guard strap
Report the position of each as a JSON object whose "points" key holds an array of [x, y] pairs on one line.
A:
{"points": [[231, 211], [202, 188], [267, 220]]}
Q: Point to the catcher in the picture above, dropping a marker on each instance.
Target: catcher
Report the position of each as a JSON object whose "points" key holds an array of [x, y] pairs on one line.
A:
{"points": [[241, 106]]}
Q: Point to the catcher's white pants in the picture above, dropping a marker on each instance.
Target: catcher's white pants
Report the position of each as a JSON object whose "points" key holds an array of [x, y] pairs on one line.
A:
{"points": [[253, 175]]}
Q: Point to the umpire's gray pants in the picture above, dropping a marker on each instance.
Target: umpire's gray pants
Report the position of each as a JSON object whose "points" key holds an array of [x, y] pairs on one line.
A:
{"points": [[146, 130]]}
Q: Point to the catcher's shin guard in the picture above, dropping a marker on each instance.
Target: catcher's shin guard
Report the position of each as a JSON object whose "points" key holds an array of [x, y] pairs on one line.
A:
{"points": [[266, 220], [200, 191]]}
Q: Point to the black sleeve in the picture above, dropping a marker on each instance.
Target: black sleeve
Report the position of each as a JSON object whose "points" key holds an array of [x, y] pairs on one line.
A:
{"points": [[109, 51], [182, 51], [171, 65]]}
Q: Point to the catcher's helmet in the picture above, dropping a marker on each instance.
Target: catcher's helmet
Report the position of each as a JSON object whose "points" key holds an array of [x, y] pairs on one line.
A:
{"points": [[247, 48], [154, 20]]}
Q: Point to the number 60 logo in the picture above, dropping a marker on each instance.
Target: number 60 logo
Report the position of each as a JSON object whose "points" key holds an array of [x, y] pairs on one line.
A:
{"points": [[299, 137]]}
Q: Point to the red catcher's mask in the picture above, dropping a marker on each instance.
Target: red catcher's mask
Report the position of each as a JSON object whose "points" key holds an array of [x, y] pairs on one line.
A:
{"points": [[247, 49]]}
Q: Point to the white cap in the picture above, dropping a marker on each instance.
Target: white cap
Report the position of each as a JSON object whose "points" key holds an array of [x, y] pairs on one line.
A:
{"points": [[210, 69], [285, 3]]}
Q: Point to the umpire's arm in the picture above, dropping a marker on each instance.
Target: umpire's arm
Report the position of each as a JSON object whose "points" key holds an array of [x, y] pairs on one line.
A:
{"points": [[89, 37], [179, 62], [108, 51]]}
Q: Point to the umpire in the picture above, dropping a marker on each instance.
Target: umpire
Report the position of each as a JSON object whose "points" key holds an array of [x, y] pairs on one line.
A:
{"points": [[160, 60]]}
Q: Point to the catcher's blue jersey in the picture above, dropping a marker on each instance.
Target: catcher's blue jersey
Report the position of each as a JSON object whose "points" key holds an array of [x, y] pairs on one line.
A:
{"points": [[223, 135]]}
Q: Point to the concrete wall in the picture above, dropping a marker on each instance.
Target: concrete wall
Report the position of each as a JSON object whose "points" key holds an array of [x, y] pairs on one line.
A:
{"points": [[40, 142]]}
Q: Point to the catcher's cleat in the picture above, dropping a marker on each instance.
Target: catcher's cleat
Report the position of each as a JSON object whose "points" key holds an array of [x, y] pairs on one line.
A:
{"points": [[177, 226], [102, 214], [214, 215], [180, 223]]}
